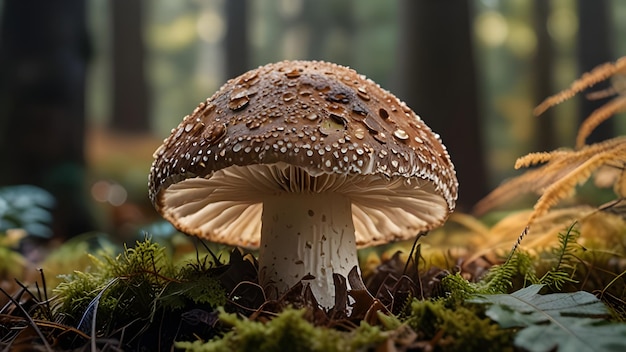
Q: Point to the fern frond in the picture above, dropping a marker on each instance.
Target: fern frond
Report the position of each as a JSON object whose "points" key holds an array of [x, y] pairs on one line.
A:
{"points": [[522, 264], [497, 243], [564, 252], [539, 158], [527, 268], [499, 279], [587, 80], [559, 191], [558, 177], [565, 265], [566, 186], [600, 115]]}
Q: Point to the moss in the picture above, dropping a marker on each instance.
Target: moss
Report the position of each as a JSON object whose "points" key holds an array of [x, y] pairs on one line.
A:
{"points": [[133, 287], [458, 328], [196, 287], [458, 289], [288, 331], [76, 292], [143, 288]]}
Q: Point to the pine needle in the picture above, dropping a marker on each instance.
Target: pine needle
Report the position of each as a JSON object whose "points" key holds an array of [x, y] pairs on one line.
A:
{"points": [[30, 320]]}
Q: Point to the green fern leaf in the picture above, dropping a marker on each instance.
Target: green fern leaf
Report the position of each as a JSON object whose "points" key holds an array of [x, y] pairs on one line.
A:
{"points": [[565, 321]]}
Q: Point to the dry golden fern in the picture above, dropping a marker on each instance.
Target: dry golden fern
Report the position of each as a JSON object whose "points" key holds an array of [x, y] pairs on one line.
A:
{"points": [[564, 169], [506, 231], [557, 178], [600, 115], [598, 74]]}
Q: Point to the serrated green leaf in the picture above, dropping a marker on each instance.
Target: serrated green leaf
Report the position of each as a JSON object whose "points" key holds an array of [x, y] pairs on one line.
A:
{"points": [[588, 337], [569, 321], [547, 308], [508, 318]]}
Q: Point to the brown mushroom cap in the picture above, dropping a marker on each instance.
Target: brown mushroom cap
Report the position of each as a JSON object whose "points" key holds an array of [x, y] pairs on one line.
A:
{"points": [[302, 126]]}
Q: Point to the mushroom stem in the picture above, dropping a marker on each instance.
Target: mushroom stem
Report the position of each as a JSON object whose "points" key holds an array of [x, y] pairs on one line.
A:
{"points": [[306, 233]]}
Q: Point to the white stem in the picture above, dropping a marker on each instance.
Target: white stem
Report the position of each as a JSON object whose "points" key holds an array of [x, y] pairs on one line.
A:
{"points": [[302, 234]]}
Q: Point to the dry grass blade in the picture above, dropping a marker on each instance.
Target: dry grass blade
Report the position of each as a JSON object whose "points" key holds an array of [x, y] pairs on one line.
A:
{"points": [[587, 80]]}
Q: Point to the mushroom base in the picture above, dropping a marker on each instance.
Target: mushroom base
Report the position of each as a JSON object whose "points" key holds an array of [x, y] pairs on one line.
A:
{"points": [[306, 233]]}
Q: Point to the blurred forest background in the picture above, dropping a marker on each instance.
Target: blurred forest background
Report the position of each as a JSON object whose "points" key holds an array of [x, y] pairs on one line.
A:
{"points": [[89, 89]]}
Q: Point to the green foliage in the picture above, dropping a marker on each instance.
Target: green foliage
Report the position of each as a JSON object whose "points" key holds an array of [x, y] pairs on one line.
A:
{"points": [[500, 278], [521, 265], [192, 286], [459, 328], [132, 286], [569, 318], [77, 291], [139, 270], [288, 331], [24, 210], [565, 266], [26, 207], [141, 286], [146, 260], [458, 288], [567, 321]]}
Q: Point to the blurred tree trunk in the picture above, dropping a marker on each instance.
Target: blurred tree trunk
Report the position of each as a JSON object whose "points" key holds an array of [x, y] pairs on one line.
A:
{"points": [[43, 58], [542, 77], [436, 77], [236, 41], [130, 94], [594, 48]]}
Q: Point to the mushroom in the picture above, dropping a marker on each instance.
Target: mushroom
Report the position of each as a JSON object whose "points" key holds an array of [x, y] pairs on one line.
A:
{"points": [[308, 161]]}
